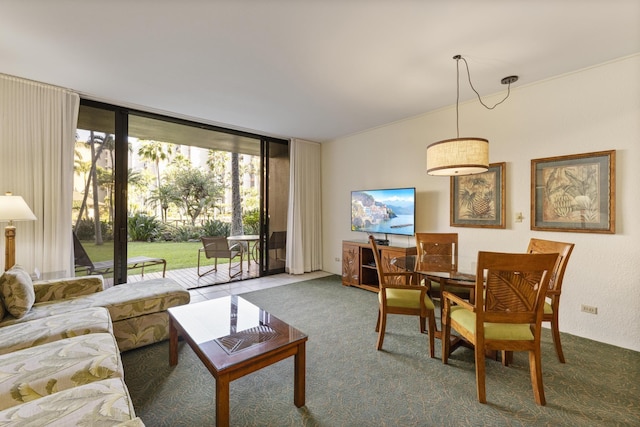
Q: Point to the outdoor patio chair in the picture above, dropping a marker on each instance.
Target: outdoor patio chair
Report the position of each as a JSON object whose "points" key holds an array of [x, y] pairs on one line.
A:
{"points": [[84, 264], [277, 240], [218, 247]]}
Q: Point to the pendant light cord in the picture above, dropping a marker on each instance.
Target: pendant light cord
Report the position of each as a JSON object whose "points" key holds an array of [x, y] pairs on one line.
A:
{"points": [[506, 80], [457, 58]]}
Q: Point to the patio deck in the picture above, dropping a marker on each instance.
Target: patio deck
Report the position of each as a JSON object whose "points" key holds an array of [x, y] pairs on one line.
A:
{"points": [[217, 284], [188, 277]]}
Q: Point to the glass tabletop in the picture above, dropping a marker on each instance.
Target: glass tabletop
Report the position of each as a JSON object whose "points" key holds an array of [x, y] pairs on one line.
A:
{"points": [[231, 329], [244, 238], [450, 275], [436, 266]]}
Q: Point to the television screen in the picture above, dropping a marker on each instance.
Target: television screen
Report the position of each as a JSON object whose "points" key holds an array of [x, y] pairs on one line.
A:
{"points": [[389, 211]]}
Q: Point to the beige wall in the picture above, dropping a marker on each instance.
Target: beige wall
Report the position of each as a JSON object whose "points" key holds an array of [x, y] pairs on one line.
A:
{"points": [[594, 109]]}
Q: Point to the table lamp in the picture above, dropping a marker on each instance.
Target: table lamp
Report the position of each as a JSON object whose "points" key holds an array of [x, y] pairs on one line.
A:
{"points": [[12, 208]]}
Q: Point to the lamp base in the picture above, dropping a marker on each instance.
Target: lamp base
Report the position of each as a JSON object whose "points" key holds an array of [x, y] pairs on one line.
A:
{"points": [[10, 247]]}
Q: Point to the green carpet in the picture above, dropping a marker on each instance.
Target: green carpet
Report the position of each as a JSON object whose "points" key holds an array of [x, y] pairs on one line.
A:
{"points": [[349, 383]]}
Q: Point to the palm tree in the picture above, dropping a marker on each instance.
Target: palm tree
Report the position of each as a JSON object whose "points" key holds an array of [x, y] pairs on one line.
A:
{"points": [[95, 155], [155, 152], [236, 201], [82, 169], [96, 144], [163, 196]]}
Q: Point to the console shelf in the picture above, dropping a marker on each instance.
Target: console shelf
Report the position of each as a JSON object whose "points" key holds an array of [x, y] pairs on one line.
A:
{"points": [[358, 265]]}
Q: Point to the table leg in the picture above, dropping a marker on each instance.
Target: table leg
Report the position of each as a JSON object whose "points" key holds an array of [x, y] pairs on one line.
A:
{"points": [[222, 401], [248, 254], [173, 343], [299, 376], [454, 341], [254, 252]]}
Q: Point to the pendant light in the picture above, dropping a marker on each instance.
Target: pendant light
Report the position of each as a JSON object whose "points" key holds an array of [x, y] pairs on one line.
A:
{"points": [[462, 156]]}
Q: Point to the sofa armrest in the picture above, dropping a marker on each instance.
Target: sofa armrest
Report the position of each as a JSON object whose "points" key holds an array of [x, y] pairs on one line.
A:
{"points": [[51, 290]]}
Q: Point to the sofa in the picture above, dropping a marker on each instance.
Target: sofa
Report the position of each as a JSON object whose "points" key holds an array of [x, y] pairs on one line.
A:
{"points": [[60, 344]]}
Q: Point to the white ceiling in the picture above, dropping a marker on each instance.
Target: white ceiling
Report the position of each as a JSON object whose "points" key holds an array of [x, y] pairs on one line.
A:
{"points": [[312, 69]]}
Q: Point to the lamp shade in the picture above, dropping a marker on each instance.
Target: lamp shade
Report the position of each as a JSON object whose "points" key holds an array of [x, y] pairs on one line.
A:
{"points": [[459, 156], [14, 208]]}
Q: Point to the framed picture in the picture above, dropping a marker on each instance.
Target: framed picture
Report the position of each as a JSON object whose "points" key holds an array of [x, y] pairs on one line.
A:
{"points": [[478, 200], [574, 193]]}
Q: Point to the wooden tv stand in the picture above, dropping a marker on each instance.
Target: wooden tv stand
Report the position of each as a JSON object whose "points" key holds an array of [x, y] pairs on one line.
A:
{"points": [[358, 265]]}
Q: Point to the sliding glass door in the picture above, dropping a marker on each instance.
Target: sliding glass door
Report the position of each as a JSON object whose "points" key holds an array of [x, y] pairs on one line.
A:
{"points": [[159, 184], [276, 193], [94, 188]]}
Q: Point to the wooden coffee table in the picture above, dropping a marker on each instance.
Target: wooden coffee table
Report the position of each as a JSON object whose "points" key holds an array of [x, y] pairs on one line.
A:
{"points": [[233, 338]]}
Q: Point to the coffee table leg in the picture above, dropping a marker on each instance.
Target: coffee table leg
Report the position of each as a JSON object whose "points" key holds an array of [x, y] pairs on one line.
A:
{"points": [[173, 343], [222, 401], [299, 376]]}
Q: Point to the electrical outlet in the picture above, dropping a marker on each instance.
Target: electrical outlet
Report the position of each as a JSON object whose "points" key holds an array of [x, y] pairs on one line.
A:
{"points": [[337, 259], [589, 309]]}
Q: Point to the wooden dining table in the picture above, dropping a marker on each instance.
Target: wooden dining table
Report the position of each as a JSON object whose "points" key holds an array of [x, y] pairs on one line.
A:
{"points": [[439, 269]]}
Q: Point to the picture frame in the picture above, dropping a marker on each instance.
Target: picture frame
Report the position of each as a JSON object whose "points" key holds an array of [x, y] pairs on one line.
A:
{"points": [[478, 200], [574, 193]]}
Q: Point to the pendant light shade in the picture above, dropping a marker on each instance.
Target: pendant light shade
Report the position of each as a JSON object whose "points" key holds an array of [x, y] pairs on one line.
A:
{"points": [[459, 156], [462, 156]]}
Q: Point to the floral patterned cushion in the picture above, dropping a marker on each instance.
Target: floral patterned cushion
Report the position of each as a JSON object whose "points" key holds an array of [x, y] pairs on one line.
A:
{"points": [[58, 289], [136, 422], [53, 328], [138, 310], [102, 403], [32, 373], [141, 330], [123, 301], [16, 289]]}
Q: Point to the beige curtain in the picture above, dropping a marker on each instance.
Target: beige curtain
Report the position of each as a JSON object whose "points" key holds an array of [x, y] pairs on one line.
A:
{"points": [[37, 135], [304, 218]]}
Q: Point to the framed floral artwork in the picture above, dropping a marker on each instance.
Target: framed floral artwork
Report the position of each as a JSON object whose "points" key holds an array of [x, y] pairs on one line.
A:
{"points": [[478, 200], [574, 193]]}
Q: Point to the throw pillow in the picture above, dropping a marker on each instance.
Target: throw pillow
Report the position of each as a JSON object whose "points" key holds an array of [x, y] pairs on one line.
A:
{"points": [[3, 310], [16, 289]]}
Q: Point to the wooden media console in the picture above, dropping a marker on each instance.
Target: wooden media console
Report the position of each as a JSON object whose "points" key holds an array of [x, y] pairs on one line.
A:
{"points": [[358, 265]]}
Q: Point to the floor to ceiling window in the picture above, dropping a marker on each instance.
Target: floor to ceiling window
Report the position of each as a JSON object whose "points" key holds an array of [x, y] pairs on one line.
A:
{"points": [[151, 186]]}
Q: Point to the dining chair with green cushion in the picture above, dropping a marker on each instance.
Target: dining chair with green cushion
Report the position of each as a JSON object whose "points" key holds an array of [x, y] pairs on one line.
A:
{"points": [[398, 296], [507, 313], [440, 251], [552, 302]]}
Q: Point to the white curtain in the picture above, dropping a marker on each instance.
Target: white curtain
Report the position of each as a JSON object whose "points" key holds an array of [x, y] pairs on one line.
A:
{"points": [[37, 135], [304, 218]]}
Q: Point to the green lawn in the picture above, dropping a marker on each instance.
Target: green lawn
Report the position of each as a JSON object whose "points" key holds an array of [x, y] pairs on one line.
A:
{"points": [[177, 254]]}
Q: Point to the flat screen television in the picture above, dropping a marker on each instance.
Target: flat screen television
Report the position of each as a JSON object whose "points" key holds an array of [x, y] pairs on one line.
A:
{"points": [[388, 211]]}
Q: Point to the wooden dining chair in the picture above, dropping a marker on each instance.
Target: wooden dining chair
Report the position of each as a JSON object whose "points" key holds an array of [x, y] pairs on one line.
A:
{"points": [[552, 302], [398, 296], [507, 314], [440, 251]]}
